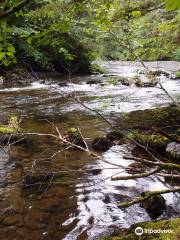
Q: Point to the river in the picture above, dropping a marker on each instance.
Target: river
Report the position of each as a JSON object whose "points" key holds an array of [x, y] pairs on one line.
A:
{"points": [[82, 202]]}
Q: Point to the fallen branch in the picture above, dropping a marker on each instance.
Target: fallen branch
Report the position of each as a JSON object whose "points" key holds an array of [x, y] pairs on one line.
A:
{"points": [[147, 196], [171, 176], [169, 95], [135, 176], [167, 166]]}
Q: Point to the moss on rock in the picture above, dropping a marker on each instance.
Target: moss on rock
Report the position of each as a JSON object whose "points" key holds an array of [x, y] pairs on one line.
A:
{"points": [[172, 225], [7, 130], [145, 119], [178, 75], [154, 141]]}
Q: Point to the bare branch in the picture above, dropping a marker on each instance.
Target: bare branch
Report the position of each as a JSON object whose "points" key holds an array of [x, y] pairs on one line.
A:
{"points": [[135, 176]]}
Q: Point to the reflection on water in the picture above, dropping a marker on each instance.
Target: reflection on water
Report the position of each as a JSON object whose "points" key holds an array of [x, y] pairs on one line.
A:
{"points": [[77, 200]]}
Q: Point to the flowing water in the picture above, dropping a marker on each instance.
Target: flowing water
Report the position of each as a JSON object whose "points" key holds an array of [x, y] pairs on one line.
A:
{"points": [[79, 201]]}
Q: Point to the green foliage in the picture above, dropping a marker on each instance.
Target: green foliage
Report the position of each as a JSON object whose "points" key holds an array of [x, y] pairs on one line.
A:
{"points": [[12, 127], [172, 4], [138, 33], [176, 55], [178, 74], [112, 81], [72, 130], [69, 35], [130, 135], [7, 49], [14, 123]]}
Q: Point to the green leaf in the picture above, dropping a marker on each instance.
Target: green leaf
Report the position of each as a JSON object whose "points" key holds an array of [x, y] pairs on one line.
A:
{"points": [[172, 4], [11, 48], [2, 54], [136, 14]]}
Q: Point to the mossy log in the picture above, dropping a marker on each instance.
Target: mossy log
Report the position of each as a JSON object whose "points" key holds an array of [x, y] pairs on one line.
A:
{"points": [[147, 196]]}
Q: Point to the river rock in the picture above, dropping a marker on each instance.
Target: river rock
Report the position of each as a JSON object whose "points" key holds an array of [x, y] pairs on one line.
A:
{"points": [[159, 72], [74, 136], [115, 137], [173, 150], [135, 167], [154, 205], [13, 79], [149, 82], [101, 144], [94, 81], [124, 81]]}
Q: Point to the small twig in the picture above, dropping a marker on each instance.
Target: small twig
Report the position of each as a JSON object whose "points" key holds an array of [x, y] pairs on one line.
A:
{"points": [[83, 138]]}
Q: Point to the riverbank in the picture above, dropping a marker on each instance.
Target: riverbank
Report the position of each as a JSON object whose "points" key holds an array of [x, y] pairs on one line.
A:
{"points": [[172, 227]]}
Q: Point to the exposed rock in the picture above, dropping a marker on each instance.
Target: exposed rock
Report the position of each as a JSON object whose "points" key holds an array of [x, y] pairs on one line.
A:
{"points": [[124, 81], [159, 72], [135, 167], [17, 79], [173, 150], [115, 136], [154, 205], [94, 171], [62, 84], [94, 81], [154, 72], [101, 144], [153, 141], [151, 82], [73, 136]]}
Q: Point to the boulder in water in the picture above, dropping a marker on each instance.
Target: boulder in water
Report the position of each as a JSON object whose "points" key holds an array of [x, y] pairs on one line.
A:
{"points": [[124, 81], [115, 136], [154, 205], [173, 150], [74, 136], [94, 81], [101, 144]]}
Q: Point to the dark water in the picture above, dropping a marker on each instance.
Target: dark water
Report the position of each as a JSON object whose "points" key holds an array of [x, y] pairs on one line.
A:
{"points": [[78, 200]]}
